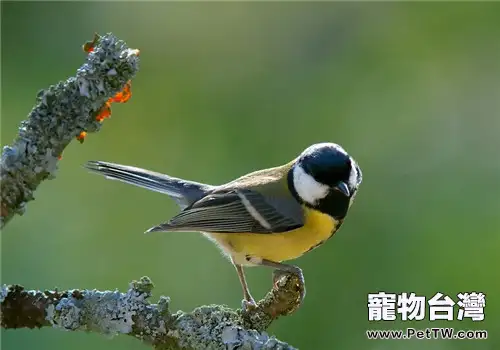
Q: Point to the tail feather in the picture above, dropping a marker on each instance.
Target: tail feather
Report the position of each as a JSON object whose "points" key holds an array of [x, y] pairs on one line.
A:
{"points": [[182, 191]]}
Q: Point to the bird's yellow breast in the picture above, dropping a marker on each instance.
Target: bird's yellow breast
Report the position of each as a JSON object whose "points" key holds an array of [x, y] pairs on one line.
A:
{"points": [[278, 247]]}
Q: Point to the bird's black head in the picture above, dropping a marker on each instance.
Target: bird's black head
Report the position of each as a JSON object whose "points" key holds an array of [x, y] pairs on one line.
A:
{"points": [[326, 178]]}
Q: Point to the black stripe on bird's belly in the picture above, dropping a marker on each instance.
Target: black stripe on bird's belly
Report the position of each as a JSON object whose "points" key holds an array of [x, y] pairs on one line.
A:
{"points": [[335, 229]]}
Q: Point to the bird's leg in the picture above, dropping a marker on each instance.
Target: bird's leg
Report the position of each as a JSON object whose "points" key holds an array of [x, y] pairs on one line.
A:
{"points": [[248, 302], [284, 269]]}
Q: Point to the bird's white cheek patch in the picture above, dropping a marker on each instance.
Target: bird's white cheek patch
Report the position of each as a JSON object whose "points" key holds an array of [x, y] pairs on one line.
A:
{"points": [[307, 187], [353, 176]]}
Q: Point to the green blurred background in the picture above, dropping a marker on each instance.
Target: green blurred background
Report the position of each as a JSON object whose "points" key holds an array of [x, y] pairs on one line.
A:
{"points": [[410, 90]]}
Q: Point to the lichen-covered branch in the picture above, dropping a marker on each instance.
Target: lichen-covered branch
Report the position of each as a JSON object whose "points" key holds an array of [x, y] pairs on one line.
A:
{"points": [[61, 113], [111, 312]]}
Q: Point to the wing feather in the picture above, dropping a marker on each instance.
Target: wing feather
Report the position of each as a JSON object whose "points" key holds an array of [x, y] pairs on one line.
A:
{"points": [[237, 210]]}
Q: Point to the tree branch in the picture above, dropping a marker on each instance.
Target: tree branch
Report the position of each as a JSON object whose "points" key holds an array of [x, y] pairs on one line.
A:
{"points": [[61, 113], [112, 312]]}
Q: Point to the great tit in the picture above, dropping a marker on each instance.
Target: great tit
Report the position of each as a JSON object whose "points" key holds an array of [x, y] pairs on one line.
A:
{"points": [[262, 218]]}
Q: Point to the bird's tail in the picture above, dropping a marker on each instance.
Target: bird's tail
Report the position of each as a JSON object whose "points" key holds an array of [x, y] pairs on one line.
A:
{"points": [[182, 191]]}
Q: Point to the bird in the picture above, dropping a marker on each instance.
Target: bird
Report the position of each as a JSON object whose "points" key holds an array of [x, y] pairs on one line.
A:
{"points": [[263, 218]]}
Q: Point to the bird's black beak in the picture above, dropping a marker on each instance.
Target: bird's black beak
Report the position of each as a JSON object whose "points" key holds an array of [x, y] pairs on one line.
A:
{"points": [[342, 187]]}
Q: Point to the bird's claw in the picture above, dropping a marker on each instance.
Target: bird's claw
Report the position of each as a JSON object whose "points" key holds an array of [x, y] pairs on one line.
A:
{"points": [[248, 305]]}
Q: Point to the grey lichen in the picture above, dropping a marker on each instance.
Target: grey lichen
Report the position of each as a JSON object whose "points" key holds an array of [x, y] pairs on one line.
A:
{"points": [[67, 314], [204, 325], [50, 314], [108, 312], [3, 292], [61, 113]]}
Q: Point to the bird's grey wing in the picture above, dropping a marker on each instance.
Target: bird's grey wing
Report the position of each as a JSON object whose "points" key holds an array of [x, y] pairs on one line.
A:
{"points": [[238, 210]]}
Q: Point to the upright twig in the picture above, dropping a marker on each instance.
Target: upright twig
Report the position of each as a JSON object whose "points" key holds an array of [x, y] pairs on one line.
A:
{"points": [[62, 112]]}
